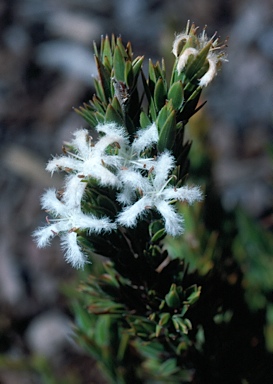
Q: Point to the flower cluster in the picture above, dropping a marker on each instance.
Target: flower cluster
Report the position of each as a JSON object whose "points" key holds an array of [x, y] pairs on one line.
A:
{"points": [[141, 183], [187, 44]]}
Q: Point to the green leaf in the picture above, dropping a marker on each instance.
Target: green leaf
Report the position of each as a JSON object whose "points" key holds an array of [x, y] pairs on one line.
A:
{"points": [[123, 345], [112, 116], [121, 48], [164, 318], [158, 71], [152, 109], [105, 80], [100, 118], [116, 105], [129, 74], [119, 65], [176, 94], [196, 64], [107, 64], [168, 367], [102, 333], [167, 133], [162, 117], [87, 115], [152, 74], [129, 50], [144, 120], [194, 295], [99, 90], [158, 235], [107, 204], [159, 94], [137, 64], [172, 298], [179, 324], [107, 52]]}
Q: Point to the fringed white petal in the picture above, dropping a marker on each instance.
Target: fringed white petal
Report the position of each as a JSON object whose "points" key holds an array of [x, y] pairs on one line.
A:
{"points": [[182, 37], [173, 221], [82, 142], [91, 223], [145, 138], [183, 58], [44, 235], [126, 196], [189, 194], [50, 202], [210, 74], [112, 130], [73, 253], [129, 215], [74, 191], [62, 163], [163, 166]]}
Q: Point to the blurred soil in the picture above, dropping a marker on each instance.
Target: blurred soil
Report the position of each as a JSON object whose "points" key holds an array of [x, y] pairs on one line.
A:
{"points": [[46, 68]]}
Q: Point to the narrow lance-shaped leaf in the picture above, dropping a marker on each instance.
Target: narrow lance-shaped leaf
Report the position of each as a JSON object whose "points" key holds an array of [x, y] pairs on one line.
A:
{"points": [[159, 94], [144, 120], [112, 115], [167, 133], [107, 52], [129, 74], [137, 63], [105, 79], [176, 94], [119, 65]]}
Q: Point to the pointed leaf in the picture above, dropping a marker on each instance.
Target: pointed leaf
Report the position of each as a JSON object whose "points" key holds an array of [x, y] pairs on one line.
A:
{"points": [[88, 116], [119, 65], [152, 109], [158, 235], [100, 118], [172, 298], [137, 63], [112, 115], [159, 94], [105, 80], [176, 94], [129, 74], [116, 105], [129, 51], [144, 120], [107, 52], [121, 48], [162, 117], [167, 133], [197, 62]]}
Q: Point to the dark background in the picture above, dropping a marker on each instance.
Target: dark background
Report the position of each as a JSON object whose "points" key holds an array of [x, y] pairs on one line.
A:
{"points": [[46, 68]]}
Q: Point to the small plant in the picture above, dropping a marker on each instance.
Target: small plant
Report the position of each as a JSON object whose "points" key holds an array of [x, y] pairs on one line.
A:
{"points": [[151, 308]]}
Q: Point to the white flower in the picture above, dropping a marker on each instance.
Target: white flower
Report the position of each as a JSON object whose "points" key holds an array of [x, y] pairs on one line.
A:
{"points": [[131, 155], [65, 224], [132, 160], [180, 40], [155, 194], [91, 160]]}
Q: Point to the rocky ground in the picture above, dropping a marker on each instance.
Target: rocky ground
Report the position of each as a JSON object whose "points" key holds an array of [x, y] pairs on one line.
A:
{"points": [[46, 68]]}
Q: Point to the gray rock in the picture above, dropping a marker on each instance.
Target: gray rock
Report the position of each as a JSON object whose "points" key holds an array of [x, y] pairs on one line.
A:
{"points": [[70, 58], [48, 333]]}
